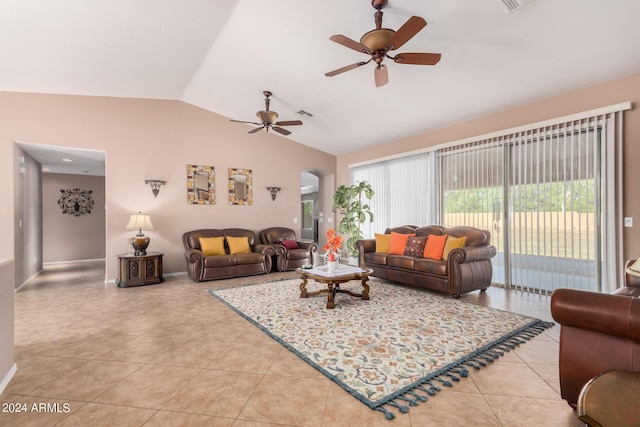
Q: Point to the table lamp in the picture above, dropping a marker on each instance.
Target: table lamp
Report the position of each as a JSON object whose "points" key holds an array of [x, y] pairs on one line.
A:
{"points": [[140, 242]]}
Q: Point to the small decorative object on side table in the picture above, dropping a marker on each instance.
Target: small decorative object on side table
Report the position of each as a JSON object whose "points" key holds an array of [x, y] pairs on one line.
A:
{"points": [[138, 270]]}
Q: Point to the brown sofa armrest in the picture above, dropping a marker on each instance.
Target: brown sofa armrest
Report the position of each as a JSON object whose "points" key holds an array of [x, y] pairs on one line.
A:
{"points": [[472, 253], [266, 250], [195, 264], [312, 246], [364, 246], [616, 315]]}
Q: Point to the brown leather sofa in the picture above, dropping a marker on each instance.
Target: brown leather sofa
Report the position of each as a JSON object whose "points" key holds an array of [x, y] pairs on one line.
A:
{"points": [[466, 269], [201, 267], [599, 333], [288, 258]]}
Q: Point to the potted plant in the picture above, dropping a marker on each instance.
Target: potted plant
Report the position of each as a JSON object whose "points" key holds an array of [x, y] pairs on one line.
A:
{"points": [[351, 203]]}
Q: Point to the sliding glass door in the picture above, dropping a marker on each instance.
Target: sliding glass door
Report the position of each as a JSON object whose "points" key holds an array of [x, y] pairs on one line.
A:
{"points": [[539, 194]]}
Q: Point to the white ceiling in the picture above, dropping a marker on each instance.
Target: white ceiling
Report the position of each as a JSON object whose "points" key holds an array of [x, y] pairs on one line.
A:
{"points": [[221, 54]]}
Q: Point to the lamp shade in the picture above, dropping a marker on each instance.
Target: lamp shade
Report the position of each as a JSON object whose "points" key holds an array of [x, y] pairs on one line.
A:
{"points": [[140, 221]]}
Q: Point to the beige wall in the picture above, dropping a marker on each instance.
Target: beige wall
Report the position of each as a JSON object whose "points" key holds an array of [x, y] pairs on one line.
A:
{"points": [[151, 139], [67, 237], [614, 92]]}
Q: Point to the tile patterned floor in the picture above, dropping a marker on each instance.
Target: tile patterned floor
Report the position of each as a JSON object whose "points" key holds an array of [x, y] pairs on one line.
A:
{"points": [[172, 355]]}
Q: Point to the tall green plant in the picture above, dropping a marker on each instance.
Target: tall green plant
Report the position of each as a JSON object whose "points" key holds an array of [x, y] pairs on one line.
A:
{"points": [[351, 203]]}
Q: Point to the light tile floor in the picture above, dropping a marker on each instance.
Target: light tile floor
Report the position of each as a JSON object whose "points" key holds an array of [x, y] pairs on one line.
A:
{"points": [[172, 355]]}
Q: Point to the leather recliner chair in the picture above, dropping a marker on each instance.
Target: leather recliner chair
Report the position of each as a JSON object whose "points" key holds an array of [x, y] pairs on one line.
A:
{"points": [[599, 333], [298, 253]]}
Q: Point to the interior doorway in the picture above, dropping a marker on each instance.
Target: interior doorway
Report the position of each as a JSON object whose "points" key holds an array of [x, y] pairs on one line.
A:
{"points": [[310, 205]]}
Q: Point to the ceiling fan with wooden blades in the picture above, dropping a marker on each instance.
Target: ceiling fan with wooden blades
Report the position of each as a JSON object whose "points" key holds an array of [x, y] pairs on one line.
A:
{"points": [[377, 43], [267, 119]]}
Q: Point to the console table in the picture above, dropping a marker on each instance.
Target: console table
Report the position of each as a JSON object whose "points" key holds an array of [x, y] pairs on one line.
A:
{"points": [[138, 270]]}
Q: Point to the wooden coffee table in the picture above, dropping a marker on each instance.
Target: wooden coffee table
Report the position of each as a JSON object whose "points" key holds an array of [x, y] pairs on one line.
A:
{"points": [[344, 274]]}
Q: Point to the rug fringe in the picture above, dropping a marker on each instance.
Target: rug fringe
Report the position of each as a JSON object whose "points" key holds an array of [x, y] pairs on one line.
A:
{"points": [[477, 360]]}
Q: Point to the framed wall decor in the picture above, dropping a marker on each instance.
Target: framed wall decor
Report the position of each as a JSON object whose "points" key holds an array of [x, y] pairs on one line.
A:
{"points": [[240, 187], [75, 201], [200, 185]]}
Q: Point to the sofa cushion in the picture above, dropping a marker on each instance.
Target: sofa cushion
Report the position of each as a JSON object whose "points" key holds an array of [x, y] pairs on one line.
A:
{"points": [[451, 244], [415, 245], [250, 258], [219, 261], [434, 247], [375, 258], [211, 246], [398, 243], [401, 261], [431, 266], [383, 243], [290, 244], [238, 245]]}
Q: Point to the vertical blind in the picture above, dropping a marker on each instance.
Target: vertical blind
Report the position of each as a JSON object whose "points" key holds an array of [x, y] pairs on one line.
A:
{"points": [[405, 191], [549, 192]]}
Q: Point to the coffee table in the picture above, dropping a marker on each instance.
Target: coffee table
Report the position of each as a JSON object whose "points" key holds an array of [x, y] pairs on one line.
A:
{"points": [[343, 274]]}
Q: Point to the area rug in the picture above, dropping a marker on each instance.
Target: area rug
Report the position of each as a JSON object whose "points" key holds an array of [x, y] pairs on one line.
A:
{"points": [[392, 351]]}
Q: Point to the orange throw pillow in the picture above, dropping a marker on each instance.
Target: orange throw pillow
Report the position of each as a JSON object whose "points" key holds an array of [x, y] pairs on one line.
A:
{"points": [[398, 243], [435, 246]]}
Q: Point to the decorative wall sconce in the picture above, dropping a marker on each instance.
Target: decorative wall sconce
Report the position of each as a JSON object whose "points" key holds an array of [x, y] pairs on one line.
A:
{"points": [[274, 192], [155, 185]]}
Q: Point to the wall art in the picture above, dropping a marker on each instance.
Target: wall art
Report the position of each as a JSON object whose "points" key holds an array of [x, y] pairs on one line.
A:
{"points": [[76, 202], [200, 185], [240, 187]]}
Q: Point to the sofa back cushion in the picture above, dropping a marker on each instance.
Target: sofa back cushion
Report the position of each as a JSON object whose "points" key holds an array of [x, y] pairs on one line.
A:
{"points": [[274, 235], [475, 236]]}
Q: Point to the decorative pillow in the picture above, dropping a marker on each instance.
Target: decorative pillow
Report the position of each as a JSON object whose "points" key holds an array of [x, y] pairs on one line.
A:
{"points": [[238, 245], [452, 243], [382, 243], [398, 243], [290, 244], [435, 246], [212, 246], [415, 245]]}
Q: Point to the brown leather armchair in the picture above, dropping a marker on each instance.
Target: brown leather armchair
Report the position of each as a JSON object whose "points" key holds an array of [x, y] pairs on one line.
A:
{"points": [[298, 254], [599, 333]]}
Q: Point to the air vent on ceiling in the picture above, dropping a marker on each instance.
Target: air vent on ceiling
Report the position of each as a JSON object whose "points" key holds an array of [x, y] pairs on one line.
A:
{"points": [[512, 5]]}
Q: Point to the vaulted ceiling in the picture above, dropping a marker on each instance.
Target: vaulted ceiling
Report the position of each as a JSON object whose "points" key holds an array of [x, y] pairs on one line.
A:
{"points": [[221, 55]]}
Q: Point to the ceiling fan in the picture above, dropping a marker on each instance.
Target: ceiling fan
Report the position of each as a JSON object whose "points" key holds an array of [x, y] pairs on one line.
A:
{"points": [[380, 41], [267, 118]]}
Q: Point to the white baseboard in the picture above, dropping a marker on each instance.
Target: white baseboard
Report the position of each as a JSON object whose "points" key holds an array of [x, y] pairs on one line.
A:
{"points": [[179, 273], [7, 378], [75, 261]]}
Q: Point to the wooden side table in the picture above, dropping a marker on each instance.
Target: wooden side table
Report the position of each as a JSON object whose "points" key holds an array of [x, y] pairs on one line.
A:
{"points": [[138, 270]]}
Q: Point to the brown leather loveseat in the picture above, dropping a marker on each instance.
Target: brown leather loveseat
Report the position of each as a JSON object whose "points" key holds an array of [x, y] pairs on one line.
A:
{"points": [[466, 268], [230, 252], [599, 333]]}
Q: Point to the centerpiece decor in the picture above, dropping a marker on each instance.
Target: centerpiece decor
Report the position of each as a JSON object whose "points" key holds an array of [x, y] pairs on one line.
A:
{"points": [[332, 250]]}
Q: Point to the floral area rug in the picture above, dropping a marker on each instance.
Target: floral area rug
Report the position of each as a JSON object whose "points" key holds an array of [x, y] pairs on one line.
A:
{"points": [[392, 351]]}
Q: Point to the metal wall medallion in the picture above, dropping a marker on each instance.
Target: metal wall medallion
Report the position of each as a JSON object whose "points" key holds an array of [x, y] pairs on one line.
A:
{"points": [[76, 202]]}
